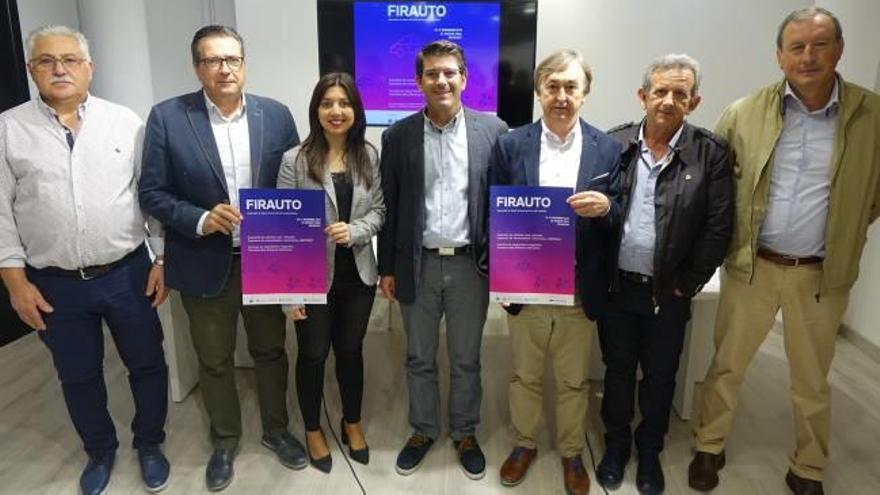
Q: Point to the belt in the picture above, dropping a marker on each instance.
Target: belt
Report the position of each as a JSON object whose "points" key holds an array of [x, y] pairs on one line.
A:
{"points": [[236, 250], [95, 271], [785, 259], [449, 251], [638, 278]]}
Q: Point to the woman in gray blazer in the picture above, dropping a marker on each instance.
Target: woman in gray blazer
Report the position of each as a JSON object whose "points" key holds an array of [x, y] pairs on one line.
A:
{"points": [[336, 158]]}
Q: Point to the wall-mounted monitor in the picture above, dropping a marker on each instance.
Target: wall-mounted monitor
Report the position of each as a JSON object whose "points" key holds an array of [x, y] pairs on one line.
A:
{"points": [[377, 42]]}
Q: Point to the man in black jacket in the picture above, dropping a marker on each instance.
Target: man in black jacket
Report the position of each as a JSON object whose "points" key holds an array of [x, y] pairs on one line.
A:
{"points": [[677, 209]]}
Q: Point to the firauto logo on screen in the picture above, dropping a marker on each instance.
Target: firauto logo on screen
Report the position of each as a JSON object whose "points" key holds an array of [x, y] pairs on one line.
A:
{"points": [[416, 11]]}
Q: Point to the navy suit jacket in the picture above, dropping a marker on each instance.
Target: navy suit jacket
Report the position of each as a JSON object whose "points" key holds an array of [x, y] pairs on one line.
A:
{"points": [[515, 162], [403, 183], [182, 177]]}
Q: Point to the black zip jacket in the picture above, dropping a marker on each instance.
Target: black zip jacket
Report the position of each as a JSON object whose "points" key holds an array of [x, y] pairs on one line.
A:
{"points": [[693, 205]]}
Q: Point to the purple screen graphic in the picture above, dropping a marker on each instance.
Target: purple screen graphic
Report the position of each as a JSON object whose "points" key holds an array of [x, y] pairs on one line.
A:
{"points": [[387, 37]]}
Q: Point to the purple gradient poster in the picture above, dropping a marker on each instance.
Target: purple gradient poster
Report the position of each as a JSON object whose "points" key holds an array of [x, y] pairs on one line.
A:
{"points": [[283, 247], [531, 245], [387, 37]]}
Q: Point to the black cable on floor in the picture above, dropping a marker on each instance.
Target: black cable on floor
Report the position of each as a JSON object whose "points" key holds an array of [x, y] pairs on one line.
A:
{"points": [[593, 461], [341, 447]]}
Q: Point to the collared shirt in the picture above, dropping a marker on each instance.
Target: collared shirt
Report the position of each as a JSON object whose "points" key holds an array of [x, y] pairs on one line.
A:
{"points": [[446, 184], [560, 159], [800, 181], [234, 147], [70, 206], [639, 229]]}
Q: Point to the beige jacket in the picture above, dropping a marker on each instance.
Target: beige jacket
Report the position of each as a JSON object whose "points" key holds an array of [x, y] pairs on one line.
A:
{"points": [[752, 126]]}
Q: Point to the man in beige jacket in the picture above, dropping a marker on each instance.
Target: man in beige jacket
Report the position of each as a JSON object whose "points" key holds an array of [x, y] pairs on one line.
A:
{"points": [[807, 173]]}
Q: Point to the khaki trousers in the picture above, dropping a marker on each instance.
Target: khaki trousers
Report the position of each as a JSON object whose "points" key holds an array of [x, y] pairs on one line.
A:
{"points": [[567, 336], [746, 313]]}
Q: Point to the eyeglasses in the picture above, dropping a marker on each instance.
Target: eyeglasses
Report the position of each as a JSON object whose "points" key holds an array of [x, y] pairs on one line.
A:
{"points": [[434, 75], [214, 63], [47, 63]]}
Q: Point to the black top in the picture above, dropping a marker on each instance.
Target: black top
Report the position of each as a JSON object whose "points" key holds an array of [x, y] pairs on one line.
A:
{"points": [[345, 271]]}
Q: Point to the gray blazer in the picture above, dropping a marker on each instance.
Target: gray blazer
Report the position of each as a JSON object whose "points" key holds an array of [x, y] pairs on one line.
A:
{"points": [[367, 210]]}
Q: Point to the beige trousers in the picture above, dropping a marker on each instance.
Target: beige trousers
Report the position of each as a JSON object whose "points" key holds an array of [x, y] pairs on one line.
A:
{"points": [[565, 335], [746, 313]]}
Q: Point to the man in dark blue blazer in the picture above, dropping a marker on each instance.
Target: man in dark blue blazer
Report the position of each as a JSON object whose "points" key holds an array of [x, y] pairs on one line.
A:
{"points": [[560, 150], [199, 150]]}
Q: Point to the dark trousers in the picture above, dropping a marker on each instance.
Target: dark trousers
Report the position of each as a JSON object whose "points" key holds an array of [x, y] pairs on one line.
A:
{"points": [[75, 338], [631, 334], [213, 326], [341, 322]]}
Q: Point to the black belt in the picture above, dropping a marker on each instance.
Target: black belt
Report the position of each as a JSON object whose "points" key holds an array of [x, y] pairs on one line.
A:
{"points": [[95, 271], [638, 278], [236, 251], [449, 251]]}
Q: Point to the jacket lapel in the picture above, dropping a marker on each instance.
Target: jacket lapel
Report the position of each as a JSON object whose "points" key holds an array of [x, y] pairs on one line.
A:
{"points": [[533, 155], [416, 156], [255, 131], [330, 191], [197, 113]]}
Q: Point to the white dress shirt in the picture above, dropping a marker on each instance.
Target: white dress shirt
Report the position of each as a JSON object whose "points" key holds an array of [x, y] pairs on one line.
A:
{"points": [[560, 158], [70, 207], [232, 136]]}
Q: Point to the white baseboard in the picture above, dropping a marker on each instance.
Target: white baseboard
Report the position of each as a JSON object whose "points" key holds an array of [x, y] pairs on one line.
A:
{"points": [[868, 347]]}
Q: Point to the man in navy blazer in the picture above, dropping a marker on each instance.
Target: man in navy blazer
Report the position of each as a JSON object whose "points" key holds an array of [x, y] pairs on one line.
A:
{"points": [[432, 250], [200, 149], [560, 150]]}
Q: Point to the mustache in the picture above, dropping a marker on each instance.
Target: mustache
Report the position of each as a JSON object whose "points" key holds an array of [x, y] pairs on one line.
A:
{"points": [[60, 80]]}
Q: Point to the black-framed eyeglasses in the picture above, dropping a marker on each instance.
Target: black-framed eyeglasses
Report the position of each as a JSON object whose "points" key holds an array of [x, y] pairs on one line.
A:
{"points": [[214, 63], [46, 63]]}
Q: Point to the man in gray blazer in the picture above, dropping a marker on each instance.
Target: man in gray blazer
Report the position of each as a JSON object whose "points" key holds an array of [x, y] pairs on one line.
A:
{"points": [[432, 250]]}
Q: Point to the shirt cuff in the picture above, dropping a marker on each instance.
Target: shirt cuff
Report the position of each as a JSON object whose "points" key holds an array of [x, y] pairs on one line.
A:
{"points": [[157, 245], [201, 224]]}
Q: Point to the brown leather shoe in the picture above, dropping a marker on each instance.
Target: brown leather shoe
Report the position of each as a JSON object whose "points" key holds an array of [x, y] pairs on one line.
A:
{"points": [[577, 481], [703, 471], [514, 469], [803, 486]]}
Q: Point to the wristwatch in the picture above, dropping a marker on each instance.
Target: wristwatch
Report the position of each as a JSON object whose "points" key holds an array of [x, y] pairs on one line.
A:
{"points": [[159, 261]]}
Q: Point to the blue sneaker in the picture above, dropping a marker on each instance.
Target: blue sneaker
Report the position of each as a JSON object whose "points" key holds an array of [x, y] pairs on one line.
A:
{"points": [[155, 469], [96, 476], [413, 453], [471, 457]]}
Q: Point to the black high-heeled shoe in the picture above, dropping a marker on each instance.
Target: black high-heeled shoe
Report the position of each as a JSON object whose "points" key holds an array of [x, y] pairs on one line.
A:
{"points": [[323, 464], [360, 455]]}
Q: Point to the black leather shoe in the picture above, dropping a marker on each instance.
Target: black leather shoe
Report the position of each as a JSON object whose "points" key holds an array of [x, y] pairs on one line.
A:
{"points": [[803, 486], [219, 473], [703, 470], [649, 475], [610, 471], [323, 464], [96, 475], [288, 449], [360, 455]]}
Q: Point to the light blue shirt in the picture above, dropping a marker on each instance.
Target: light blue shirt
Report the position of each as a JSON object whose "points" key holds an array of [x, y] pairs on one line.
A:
{"points": [[800, 181], [637, 247], [446, 184]]}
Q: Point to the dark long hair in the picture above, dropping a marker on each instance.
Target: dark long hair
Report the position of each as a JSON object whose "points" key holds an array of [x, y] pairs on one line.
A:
{"points": [[315, 146]]}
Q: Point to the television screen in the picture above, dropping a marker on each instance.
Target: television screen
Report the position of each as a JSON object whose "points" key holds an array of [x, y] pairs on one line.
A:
{"points": [[377, 42]]}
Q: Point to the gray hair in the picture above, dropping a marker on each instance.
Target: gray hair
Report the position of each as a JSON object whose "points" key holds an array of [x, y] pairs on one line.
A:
{"points": [[559, 61], [58, 30], [807, 14], [671, 61]]}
